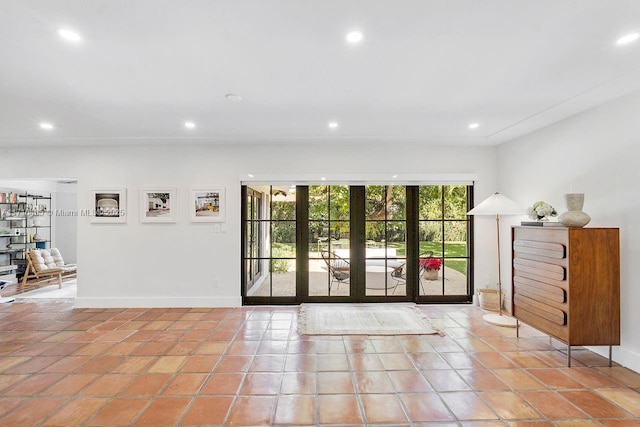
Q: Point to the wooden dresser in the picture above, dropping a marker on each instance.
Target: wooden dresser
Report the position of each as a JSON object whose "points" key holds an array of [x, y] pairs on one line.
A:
{"points": [[566, 283]]}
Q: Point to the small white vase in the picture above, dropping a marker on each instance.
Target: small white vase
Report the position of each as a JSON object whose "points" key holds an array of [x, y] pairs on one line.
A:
{"points": [[574, 217]]}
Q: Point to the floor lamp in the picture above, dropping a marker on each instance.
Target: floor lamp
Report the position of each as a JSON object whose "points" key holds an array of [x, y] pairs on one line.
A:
{"points": [[497, 205]]}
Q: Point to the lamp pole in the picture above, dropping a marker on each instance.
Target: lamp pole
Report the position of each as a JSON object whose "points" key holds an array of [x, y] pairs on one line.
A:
{"points": [[499, 270]]}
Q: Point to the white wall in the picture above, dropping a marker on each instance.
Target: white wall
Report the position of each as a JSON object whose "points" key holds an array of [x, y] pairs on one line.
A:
{"points": [[65, 233], [157, 265], [595, 153]]}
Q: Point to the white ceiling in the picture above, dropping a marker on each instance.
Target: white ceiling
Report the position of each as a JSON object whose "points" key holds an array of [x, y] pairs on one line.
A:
{"points": [[424, 71]]}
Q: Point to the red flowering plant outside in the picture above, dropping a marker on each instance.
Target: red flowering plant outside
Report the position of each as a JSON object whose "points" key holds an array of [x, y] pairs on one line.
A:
{"points": [[431, 263]]}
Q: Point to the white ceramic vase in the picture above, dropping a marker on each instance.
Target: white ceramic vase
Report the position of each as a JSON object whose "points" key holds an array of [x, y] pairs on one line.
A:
{"points": [[574, 217]]}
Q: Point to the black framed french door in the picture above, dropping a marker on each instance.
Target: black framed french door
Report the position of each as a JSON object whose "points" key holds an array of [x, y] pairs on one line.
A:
{"points": [[354, 245], [364, 243]]}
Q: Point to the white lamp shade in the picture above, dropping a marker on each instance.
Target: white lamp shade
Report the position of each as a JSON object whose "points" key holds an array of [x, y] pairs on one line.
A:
{"points": [[497, 204]]}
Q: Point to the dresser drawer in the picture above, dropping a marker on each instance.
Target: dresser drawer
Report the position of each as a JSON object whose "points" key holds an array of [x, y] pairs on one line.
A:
{"points": [[533, 319], [541, 309], [542, 234], [540, 291], [543, 249], [540, 269]]}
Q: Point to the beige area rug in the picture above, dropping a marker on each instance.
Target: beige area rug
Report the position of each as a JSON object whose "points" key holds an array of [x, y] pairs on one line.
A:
{"points": [[68, 291], [364, 319]]}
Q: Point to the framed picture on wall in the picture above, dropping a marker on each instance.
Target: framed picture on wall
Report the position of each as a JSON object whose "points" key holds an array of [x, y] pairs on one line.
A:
{"points": [[207, 205], [158, 205], [109, 205]]}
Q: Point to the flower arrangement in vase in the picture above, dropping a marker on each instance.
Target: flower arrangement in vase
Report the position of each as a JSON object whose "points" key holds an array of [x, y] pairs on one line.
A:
{"points": [[431, 266], [541, 211]]}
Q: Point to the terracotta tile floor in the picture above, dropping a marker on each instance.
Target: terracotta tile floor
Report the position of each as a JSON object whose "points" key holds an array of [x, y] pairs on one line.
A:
{"points": [[62, 366]]}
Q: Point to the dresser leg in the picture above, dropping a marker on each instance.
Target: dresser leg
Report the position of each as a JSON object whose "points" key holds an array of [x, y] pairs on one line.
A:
{"points": [[568, 355], [610, 356], [517, 328]]}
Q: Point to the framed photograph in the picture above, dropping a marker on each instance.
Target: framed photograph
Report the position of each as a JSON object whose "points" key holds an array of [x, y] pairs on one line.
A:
{"points": [[109, 205], [207, 205], [158, 205]]}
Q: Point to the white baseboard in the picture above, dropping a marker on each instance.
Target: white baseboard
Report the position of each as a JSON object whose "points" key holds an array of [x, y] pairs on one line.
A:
{"points": [[156, 302], [624, 357]]}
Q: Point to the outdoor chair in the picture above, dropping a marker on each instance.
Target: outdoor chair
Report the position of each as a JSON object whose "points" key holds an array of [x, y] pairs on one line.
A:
{"points": [[339, 268], [399, 274]]}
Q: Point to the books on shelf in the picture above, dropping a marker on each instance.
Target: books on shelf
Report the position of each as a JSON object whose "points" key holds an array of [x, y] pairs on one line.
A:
{"points": [[4, 268], [541, 224]]}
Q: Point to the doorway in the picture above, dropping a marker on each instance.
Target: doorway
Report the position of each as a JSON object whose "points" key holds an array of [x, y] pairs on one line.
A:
{"points": [[365, 243], [358, 249], [41, 214]]}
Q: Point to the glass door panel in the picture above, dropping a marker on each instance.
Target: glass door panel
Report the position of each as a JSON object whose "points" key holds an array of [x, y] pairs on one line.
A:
{"points": [[282, 238], [456, 253], [329, 241], [430, 202], [444, 243], [283, 258], [252, 235], [386, 241], [270, 241], [456, 282]]}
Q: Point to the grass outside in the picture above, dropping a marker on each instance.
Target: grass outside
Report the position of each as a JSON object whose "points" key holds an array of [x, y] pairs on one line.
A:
{"points": [[451, 250]]}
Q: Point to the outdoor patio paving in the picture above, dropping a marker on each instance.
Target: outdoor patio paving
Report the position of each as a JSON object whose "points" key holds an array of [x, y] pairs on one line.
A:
{"points": [[455, 283]]}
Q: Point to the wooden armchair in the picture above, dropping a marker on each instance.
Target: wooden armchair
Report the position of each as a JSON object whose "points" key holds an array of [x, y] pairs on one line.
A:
{"points": [[47, 264]]}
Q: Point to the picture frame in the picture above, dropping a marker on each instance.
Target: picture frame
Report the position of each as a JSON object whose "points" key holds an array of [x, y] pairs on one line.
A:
{"points": [[207, 205], [109, 205], [158, 205]]}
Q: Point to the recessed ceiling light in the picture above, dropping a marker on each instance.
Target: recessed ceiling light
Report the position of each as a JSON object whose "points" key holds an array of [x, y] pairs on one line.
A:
{"points": [[189, 125], [333, 125], [394, 176], [322, 178], [69, 35], [354, 36], [233, 97], [250, 175], [628, 38], [46, 126], [474, 125]]}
